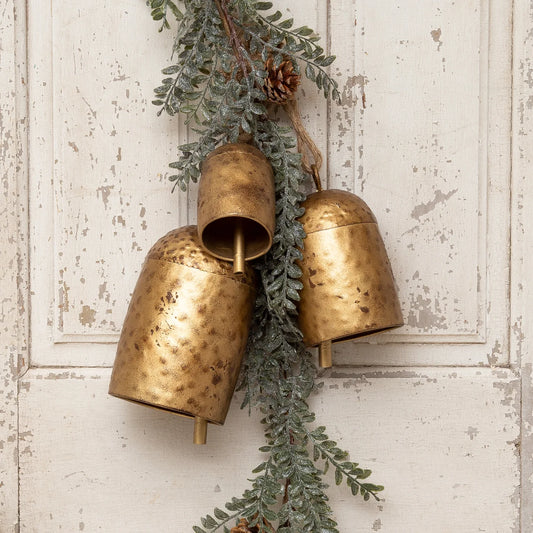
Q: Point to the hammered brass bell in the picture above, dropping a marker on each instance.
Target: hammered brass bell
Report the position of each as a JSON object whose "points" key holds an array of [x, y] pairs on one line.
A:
{"points": [[185, 332], [348, 286], [236, 204]]}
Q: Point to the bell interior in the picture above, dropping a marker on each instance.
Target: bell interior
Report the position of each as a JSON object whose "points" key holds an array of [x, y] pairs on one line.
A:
{"points": [[218, 237], [161, 407]]}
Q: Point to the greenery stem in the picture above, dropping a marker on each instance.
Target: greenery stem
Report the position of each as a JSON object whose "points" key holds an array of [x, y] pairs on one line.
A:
{"points": [[229, 28], [338, 465]]}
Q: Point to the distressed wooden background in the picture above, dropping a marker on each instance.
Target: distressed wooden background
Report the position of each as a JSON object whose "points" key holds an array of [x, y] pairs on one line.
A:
{"points": [[434, 132]]}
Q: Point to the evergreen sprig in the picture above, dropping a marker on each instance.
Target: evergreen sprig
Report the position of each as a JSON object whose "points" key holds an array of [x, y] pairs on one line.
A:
{"points": [[160, 9], [216, 81]]}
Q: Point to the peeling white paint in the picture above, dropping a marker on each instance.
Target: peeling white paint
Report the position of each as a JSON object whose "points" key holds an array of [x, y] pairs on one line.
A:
{"points": [[399, 142]]}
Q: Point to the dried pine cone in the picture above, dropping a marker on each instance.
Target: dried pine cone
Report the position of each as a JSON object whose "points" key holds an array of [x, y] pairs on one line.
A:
{"points": [[281, 83], [243, 527]]}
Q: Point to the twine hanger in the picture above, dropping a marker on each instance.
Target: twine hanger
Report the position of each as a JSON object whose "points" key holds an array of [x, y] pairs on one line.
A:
{"points": [[305, 143]]}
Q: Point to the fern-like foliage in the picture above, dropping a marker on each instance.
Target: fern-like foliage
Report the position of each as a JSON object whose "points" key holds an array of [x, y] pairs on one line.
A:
{"points": [[216, 81]]}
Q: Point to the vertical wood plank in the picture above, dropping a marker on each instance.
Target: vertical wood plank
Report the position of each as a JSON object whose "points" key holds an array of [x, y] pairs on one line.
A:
{"points": [[110, 151], [13, 256], [426, 106], [100, 198], [522, 240], [407, 140], [313, 106]]}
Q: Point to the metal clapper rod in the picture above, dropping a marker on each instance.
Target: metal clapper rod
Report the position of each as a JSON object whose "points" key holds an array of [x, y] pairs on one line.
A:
{"points": [[200, 430], [238, 248], [324, 355]]}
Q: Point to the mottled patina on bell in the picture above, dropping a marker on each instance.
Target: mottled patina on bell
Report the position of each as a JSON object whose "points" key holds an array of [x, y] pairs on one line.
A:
{"points": [[348, 285], [236, 204], [185, 332]]}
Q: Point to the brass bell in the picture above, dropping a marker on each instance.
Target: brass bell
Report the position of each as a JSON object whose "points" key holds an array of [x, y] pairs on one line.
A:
{"points": [[185, 332], [348, 287], [236, 204]]}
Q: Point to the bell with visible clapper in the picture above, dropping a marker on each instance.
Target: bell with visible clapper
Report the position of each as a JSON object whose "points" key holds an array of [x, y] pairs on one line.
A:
{"points": [[236, 204]]}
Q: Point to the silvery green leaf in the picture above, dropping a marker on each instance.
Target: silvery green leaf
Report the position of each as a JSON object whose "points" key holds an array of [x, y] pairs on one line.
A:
{"points": [[171, 70]]}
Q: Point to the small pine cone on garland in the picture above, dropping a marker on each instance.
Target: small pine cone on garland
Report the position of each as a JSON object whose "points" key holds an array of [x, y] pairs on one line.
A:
{"points": [[243, 527], [281, 82]]}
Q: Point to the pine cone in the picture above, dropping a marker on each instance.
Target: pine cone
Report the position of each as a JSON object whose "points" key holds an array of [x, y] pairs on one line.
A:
{"points": [[243, 527], [281, 83]]}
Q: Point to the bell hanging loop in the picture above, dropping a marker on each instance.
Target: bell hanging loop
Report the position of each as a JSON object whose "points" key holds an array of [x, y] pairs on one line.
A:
{"points": [[316, 177]]}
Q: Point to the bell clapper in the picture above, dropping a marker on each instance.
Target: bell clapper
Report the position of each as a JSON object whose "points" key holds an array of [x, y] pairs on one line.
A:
{"points": [[238, 249], [324, 355], [200, 430]]}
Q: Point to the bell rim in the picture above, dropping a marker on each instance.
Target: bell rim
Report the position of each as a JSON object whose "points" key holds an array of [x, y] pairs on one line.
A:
{"points": [[354, 336], [159, 407], [264, 250]]}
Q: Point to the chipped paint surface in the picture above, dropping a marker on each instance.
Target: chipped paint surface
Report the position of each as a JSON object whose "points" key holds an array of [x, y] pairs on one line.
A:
{"points": [[436, 443], [420, 164], [13, 256], [109, 155], [108, 202], [521, 319], [418, 160]]}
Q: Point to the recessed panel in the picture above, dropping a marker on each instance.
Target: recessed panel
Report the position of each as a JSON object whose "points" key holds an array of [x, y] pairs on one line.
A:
{"points": [[410, 138]]}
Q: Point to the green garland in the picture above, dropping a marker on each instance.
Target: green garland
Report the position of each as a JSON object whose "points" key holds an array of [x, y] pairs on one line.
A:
{"points": [[216, 82]]}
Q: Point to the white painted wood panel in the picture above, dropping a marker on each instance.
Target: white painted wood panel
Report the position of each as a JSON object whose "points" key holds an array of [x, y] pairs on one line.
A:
{"points": [[522, 240], [101, 199], [90, 462], [88, 270], [411, 138], [448, 443], [418, 144], [13, 251], [99, 192]]}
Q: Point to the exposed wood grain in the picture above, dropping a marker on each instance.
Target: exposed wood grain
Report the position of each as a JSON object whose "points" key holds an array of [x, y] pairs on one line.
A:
{"points": [[522, 239], [13, 256], [443, 443], [416, 152], [91, 272]]}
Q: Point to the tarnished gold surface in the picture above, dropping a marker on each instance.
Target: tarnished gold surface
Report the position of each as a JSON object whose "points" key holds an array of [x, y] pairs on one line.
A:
{"points": [[333, 208], [348, 286], [236, 186], [325, 355], [200, 430], [181, 246], [185, 331]]}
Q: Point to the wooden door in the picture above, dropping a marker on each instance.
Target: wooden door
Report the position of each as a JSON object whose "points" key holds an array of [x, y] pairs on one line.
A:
{"points": [[433, 132]]}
